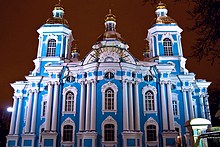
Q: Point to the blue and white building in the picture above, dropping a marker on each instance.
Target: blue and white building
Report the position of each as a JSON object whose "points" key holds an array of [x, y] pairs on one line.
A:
{"points": [[109, 98]]}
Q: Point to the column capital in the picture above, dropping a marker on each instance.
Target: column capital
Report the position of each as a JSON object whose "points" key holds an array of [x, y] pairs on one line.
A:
{"points": [[56, 83], [49, 83], [124, 80], [168, 82], [136, 82], [190, 90], [162, 82], [93, 81], [36, 90]]}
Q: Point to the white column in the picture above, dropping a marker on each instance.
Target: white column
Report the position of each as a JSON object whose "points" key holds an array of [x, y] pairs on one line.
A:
{"points": [[131, 111], [170, 106], [18, 120], [185, 105], [34, 115], [137, 108], [164, 106], [82, 107], [208, 116], [202, 106], [88, 107], [29, 109], [125, 106], [190, 103], [12, 124], [55, 106], [49, 104], [93, 109]]}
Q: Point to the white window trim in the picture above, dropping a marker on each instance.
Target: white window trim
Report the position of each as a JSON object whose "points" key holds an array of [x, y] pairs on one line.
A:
{"points": [[44, 99], [68, 121], [40, 135], [151, 121], [175, 98], [109, 120], [154, 91], [74, 91], [115, 89]]}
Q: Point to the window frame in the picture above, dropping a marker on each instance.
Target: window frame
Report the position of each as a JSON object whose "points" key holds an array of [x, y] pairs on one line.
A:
{"points": [[168, 47], [149, 122], [154, 92], [68, 121], [51, 47], [44, 109], [105, 87], [65, 91], [109, 120], [175, 98]]}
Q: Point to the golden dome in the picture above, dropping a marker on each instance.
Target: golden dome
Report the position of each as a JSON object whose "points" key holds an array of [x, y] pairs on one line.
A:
{"points": [[165, 20], [57, 20], [110, 34]]}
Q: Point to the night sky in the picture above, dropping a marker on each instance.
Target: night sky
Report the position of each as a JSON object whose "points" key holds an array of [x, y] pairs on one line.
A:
{"points": [[20, 20]]}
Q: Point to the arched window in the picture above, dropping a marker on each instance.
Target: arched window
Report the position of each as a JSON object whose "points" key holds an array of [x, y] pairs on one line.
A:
{"points": [[51, 48], [109, 131], [149, 101], [109, 99], [151, 133], [69, 102], [167, 43], [68, 133]]}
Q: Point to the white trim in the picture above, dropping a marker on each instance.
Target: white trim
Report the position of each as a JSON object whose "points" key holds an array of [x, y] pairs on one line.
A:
{"points": [[40, 140], [175, 98], [154, 91], [68, 121], [109, 120], [74, 91], [44, 99], [115, 89], [151, 121]]}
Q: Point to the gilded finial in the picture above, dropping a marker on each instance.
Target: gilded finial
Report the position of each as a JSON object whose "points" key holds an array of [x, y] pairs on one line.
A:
{"points": [[110, 11], [110, 16], [161, 5], [59, 2]]}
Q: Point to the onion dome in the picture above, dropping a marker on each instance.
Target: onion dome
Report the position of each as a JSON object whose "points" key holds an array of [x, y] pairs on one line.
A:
{"points": [[75, 52], [58, 14], [110, 29], [161, 13]]}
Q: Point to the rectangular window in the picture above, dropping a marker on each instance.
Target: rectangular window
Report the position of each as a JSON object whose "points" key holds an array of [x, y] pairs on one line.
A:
{"points": [[175, 107], [44, 108]]}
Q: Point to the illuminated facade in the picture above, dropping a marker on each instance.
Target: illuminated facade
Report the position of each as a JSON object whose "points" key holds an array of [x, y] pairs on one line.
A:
{"points": [[109, 98]]}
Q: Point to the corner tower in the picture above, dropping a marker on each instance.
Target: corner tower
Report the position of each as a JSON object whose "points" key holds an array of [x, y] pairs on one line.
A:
{"points": [[164, 40], [55, 39]]}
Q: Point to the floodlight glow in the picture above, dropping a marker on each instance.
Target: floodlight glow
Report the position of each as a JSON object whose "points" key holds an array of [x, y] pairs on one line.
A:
{"points": [[10, 109]]}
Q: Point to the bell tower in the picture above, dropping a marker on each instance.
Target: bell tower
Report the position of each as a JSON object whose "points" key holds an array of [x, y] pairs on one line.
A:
{"points": [[55, 39], [164, 40]]}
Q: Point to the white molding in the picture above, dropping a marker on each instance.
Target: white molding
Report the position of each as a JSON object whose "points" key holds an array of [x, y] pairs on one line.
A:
{"points": [[109, 120], [115, 89], [75, 92], [151, 121], [154, 91], [68, 121]]}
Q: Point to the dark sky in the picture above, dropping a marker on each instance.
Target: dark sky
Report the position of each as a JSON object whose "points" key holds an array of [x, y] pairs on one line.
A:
{"points": [[21, 18]]}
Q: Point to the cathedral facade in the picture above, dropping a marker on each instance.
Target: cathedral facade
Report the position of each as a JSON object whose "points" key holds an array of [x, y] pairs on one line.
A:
{"points": [[109, 98]]}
